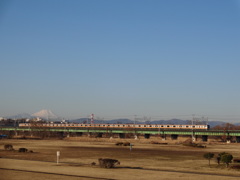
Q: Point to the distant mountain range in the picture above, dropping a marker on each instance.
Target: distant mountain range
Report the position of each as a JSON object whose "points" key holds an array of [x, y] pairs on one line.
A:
{"points": [[128, 121], [50, 116], [43, 114]]}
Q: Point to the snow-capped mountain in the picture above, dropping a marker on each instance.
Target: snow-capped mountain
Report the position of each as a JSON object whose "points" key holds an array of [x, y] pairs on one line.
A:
{"points": [[45, 114]]}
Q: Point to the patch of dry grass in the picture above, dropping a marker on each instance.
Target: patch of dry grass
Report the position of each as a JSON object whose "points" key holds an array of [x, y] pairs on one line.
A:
{"points": [[144, 155]]}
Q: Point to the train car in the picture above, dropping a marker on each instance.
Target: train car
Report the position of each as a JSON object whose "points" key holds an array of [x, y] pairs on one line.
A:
{"points": [[117, 126]]}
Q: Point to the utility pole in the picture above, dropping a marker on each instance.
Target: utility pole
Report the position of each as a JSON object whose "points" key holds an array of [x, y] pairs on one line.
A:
{"points": [[193, 138]]}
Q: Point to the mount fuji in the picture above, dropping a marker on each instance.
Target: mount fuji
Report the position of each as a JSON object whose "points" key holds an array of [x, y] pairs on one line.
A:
{"points": [[45, 114]]}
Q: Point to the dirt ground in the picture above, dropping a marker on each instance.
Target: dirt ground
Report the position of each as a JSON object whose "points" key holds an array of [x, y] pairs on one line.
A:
{"points": [[144, 161]]}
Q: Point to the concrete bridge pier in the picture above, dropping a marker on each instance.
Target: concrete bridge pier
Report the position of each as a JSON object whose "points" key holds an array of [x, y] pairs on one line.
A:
{"points": [[174, 136], [79, 133], [229, 139], [68, 134], [99, 135], [121, 135], [135, 136], [164, 137], [60, 134], [146, 136], [238, 139], [204, 138], [193, 138]]}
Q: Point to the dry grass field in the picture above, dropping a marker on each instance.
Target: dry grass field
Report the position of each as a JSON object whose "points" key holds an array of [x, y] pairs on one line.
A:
{"points": [[145, 161]]}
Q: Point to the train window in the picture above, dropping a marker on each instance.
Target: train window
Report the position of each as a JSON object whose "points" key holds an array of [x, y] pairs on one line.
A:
{"points": [[174, 126], [193, 126], [186, 126], [167, 125]]}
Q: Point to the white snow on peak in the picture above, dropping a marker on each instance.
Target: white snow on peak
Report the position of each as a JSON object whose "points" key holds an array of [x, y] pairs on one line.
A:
{"points": [[45, 114]]}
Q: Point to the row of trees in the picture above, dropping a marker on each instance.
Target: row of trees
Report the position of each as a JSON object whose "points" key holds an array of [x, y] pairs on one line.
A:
{"points": [[224, 157], [226, 126]]}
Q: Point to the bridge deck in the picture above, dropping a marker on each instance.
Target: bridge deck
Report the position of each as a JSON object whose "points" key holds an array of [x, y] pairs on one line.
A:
{"points": [[137, 131]]}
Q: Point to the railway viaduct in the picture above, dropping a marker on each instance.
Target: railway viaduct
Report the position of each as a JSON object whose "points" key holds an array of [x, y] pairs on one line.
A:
{"points": [[164, 133]]}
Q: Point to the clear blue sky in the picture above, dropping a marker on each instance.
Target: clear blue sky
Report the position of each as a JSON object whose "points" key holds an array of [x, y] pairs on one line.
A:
{"points": [[157, 58]]}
